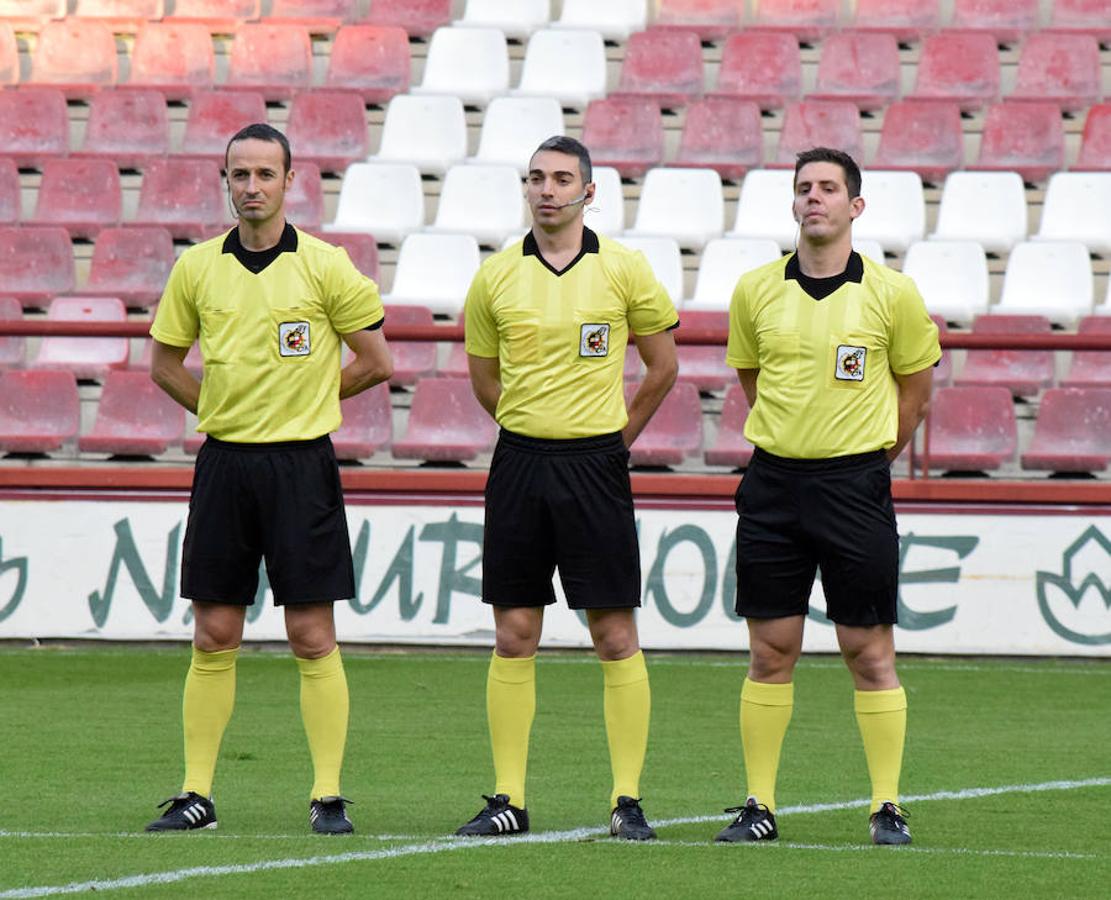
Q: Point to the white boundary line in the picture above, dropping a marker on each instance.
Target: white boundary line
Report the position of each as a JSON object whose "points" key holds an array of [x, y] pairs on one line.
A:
{"points": [[576, 834]]}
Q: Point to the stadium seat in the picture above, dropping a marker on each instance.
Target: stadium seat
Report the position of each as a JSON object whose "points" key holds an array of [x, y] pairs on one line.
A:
{"points": [[130, 263], [434, 270], [446, 423], [1090, 368], [386, 201], [469, 63], [456, 364], [122, 16], [763, 68], [516, 18], [1072, 432], [819, 123], [9, 55], [11, 346], [724, 134], [861, 67], [39, 411], [1048, 278], [721, 263], [952, 277], [318, 16], [361, 248], [1095, 142], [943, 371], [1023, 372], [419, 18], [921, 136], [907, 20], [989, 207], [304, 201], [807, 20], [1088, 17], [34, 126], [214, 116], [686, 204], [176, 59], [894, 210], [1028, 138], [128, 128], [513, 127], [427, 132], [961, 67], [412, 360], [663, 65], [615, 20], [82, 195], [328, 128], [567, 64], [218, 16], [185, 196], [1061, 68], [764, 207], [367, 423], [10, 193], [606, 213], [85, 357], [372, 61], [673, 433], [711, 20], [665, 260], [273, 60], [971, 429], [871, 248], [731, 447], [1076, 207], [76, 56], [1005, 21], [134, 417], [36, 263], [703, 365], [626, 133], [31, 15], [486, 202]]}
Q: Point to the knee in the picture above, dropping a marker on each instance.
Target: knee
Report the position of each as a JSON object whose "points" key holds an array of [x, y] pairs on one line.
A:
{"points": [[872, 669], [211, 634], [515, 642], [771, 662]]}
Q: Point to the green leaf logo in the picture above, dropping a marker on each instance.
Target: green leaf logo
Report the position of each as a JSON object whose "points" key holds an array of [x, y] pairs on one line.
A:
{"points": [[1073, 586]]}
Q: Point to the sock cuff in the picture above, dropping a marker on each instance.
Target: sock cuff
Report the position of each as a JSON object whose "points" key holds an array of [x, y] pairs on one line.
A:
{"points": [[216, 661], [891, 700], [513, 670], [630, 670], [763, 694], [321, 665]]}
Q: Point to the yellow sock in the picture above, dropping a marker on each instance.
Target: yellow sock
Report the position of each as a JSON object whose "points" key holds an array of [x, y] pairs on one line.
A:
{"points": [[765, 714], [628, 706], [882, 717], [324, 707], [510, 708], [205, 711]]}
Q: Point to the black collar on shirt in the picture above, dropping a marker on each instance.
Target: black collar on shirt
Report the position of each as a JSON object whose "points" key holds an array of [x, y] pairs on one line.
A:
{"points": [[820, 288], [257, 260], [589, 245]]}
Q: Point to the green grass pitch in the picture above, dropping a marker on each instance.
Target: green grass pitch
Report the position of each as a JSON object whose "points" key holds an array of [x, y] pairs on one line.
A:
{"points": [[1007, 778]]}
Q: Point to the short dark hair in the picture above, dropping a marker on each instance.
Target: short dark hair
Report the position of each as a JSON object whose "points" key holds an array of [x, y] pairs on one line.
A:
{"points": [[260, 131], [838, 157], [563, 144]]}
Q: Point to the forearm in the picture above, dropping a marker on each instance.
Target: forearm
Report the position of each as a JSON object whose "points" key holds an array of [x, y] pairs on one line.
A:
{"points": [[359, 375], [657, 382], [179, 383], [911, 414], [488, 393]]}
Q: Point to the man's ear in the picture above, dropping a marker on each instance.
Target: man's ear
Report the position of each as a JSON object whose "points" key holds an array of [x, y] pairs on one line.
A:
{"points": [[856, 206]]}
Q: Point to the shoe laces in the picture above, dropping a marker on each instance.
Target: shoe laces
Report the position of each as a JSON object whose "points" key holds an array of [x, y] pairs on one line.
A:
{"points": [[890, 810], [749, 812], [495, 804], [631, 811], [178, 800], [333, 802]]}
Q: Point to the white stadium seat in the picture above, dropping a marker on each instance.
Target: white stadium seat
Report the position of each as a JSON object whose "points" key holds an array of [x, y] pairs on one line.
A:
{"points": [[722, 262], [430, 132], [381, 199], [894, 210], [665, 259], [1077, 207], [764, 207], [469, 63], [1048, 278], [434, 270], [567, 64], [686, 204], [615, 20], [988, 207], [517, 18], [513, 127], [484, 201], [952, 277]]}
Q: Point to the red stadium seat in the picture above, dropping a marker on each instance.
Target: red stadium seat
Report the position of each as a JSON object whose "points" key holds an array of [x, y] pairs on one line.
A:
{"points": [[1007, 21], [83, 195], [943, 372], [79, 57], [456, 364], [11, 347], [412, 360], [1091, 368], [129, 128], [664, 65], [214, 116], [304, 201], [1028, 138], [132, 264], [1063, 68], [122, 16], [372, 61], [1023, 372], [961, 67], [274, 60], [218, 16], [34, 126], [1089, 17], [446, 423], [724, 134], [763, 68], [923, 137], [674, 432], [731, 447], [10, 199], [174, 58], [711, 20], [39, 411], [367, 424], [185, 196], [907, 20], [134, 417], [328, 128], [318, 16], [625, 133], [85, 357], [807, 20], [859, 66], [9, 55], [971, 429], [419, 18], [36, 264], [703, 365], [1095, 143], [1072, 432], [819, 123], [361, 248], [32, 15]]}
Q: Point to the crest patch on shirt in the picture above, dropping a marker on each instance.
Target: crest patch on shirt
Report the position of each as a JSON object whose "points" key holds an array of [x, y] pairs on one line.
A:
{"points": [[594, 339], [850, 363], [293, 339]]}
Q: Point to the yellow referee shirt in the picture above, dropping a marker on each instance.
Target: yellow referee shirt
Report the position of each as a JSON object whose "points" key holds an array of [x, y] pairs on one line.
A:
{"points": [[269, 325], [560, 337], [826, 386]]}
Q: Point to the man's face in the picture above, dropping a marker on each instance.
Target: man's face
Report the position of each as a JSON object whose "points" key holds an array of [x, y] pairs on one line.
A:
{"points": [[822, 206], [257, 180], [555, 189]]}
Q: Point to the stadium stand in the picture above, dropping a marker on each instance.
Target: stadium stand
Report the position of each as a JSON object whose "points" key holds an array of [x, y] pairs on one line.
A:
{"points": [[483, 201], [469, 63], [730, 447], [213, 117], [989, 207], [274, 60], [39, 411], [685, 204], [412, 360], [1062, 68], [31, 15], [86, 358], [122, 16], [1072, 432], [446, 423], [10, 199], [615, 20], [1005, 21], [1075, 208], [12, 348], [1095, 142], [516, 18], [372, 61], [1088, 17], [513, 127], [434, 270], [328, 128], [455, 366], [907, 20], [34, 126], [1028, 138], [921, 136], [861, 67], [82, 195], [36, 263], [870, 248], [183, 195], [943, 371], [626, 133], [367, 424], [218, 16], [419, 18], [130, 263], [700, 364], [361, 248], [952, 277], [386, 201], [711, 20], [895, 210], [1048, 278], [971, 429], [1023, 372], [304, 201], [427, 132], [606, 213], [807, 20], [664, 257], [76, 56], [673, 433], [1090, 368], [318, 16], [134, 417], [723, 134], [663, 65], [567, 64], [764, 207], [961, 67], [128, 128], [819, 123], [763, 68], [721, 263], [176, 59], [9, 56]]}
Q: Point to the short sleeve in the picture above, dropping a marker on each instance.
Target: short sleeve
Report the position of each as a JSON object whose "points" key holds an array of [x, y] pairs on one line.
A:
{"points": [[480, 329], [914, 343], [177, 323], [353, 301], [741, 351], [650, 309]]}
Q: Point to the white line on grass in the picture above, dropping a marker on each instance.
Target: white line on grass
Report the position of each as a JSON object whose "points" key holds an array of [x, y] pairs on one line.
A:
{"points": [[211, 835], [869, 848]]}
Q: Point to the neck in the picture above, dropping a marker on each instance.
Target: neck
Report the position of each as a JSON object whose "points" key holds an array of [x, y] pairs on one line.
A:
{"points": [[258, 236], [825, 260], [565, 239]]}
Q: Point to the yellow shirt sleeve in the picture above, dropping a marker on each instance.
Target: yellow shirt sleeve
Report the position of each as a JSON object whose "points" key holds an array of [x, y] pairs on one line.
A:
{"points": [[176, 322], [741, 352], [353, 301], [650, 309], [480, 329], [914, 342]]}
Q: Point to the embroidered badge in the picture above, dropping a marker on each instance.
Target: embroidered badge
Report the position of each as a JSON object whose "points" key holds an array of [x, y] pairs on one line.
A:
{"points": [[293, 339], [850, 363], [594, 340]]}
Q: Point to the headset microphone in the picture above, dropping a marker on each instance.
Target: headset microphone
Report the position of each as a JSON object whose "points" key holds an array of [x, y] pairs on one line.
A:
{"points": [[231, 206], [579, 199]]}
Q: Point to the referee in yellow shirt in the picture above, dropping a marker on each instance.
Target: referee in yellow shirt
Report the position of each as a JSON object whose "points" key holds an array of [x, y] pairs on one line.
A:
{"points": [[835, 354], [272, 307], [547, 323]]}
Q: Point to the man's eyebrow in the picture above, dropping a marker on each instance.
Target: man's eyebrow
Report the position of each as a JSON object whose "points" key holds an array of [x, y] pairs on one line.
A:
{"points": [[566, 172]]}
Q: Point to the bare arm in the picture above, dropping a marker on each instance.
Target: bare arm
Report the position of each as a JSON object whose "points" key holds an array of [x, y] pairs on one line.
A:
{"points": [[371, 365], [748, 384], [485, 381], [914, 401], [167, 370], [658, 353]]}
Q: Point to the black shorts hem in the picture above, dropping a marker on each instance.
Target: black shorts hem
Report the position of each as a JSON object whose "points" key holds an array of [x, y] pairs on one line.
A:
{"points": [[570, 605]]}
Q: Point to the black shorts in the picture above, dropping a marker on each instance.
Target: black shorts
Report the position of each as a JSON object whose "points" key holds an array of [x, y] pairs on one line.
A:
{"points": [[799, 515], [563, 504], [280, 501]]}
